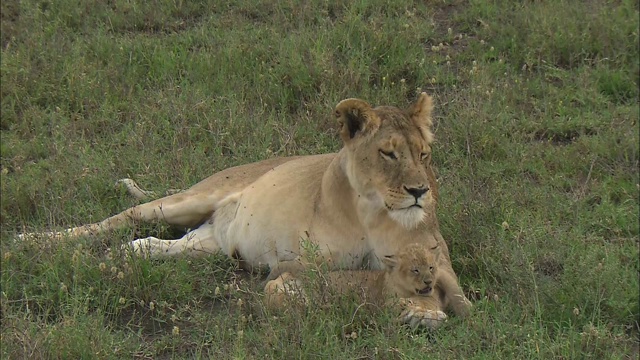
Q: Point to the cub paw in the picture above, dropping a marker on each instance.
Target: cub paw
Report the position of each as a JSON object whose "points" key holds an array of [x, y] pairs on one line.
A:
{"points": [[281, 290], [430, 319], [416, 315]]}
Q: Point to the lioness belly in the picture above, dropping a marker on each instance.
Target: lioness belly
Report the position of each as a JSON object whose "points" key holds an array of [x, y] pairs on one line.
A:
{"points": [[266, 224]]}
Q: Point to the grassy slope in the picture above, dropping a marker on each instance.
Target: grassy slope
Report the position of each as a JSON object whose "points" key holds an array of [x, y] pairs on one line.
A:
{"points": [[537, 129]]}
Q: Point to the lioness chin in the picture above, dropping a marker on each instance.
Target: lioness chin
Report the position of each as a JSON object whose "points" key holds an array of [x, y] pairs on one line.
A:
{"points": [[373, 197], [412, 277]]}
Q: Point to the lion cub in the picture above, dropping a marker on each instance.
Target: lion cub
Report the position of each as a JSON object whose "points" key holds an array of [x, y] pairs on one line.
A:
{"points": [[411, 276]]}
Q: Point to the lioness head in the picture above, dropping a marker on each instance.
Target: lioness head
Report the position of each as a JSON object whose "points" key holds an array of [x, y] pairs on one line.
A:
{"points": [[389, 156], [413, 271]]}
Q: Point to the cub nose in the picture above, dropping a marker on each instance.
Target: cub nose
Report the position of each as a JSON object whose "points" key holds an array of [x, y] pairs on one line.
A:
{"points": [[417, 192], [428, 282]]}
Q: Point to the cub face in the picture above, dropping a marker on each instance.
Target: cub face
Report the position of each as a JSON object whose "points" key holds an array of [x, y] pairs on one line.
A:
{"points": [[390, 156], [413, 271]]}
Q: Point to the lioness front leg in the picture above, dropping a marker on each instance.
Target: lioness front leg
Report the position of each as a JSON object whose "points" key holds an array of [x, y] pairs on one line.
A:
{"points": [[454, 298], [139, 193]]}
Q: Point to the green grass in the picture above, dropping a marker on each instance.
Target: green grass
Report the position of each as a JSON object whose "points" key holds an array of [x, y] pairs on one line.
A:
{"points": [[537, 155]]}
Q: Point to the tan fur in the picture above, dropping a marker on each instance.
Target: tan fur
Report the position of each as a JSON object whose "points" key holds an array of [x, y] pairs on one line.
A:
{"points": [[354, 207]]}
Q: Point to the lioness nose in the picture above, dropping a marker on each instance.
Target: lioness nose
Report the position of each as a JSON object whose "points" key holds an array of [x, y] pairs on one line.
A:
{"points": [[417, 192]]}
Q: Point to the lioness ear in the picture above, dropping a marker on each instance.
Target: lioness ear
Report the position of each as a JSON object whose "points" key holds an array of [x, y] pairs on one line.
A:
{"points": [[436, 252], [420, 113], [390, 261], [355, 117]]}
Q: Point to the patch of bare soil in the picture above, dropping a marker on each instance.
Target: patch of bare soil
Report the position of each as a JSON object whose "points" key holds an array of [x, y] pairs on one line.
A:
{"points": [[9, 20]]}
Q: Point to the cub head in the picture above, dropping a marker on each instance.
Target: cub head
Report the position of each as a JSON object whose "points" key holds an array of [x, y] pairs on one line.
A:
{"points": [[389, 157], [413, 271]]}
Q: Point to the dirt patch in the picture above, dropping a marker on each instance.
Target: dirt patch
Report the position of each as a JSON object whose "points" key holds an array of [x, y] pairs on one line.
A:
{"points": [[9, 21], [444, 15], [448, 36], [549, 267], [561, 137]]}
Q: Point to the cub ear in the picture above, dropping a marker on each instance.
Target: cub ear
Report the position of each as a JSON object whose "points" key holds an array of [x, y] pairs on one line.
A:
{"points": [[420, 114], [355, 117], [390, 261]]}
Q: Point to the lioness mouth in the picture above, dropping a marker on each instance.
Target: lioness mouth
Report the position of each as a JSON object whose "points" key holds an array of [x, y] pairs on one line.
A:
{"points": [[425, 291]]}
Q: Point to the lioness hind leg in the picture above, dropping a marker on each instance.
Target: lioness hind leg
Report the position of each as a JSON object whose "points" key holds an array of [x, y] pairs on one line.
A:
{"points": [[185, 209], [196, 243], [139, 193]]}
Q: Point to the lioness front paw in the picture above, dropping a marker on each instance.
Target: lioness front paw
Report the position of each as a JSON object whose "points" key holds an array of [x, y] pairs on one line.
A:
{"points": [[134, 249], [461, 305], [140, 248]]}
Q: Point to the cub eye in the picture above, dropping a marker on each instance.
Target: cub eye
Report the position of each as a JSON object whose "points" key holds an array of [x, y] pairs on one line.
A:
{"points": [[431, 268], [415, 271], [390, 154]]}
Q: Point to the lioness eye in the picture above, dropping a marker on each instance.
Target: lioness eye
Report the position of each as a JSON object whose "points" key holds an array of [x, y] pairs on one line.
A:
{"points": [[424, 156], [390, 154]]}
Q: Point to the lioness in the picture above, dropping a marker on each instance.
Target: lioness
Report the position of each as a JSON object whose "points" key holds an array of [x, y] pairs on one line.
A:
{"points": [[369, 200], [411, 275]]}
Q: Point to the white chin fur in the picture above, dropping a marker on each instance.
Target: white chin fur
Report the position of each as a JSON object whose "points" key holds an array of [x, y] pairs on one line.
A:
{"points": [[409, 218]]}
